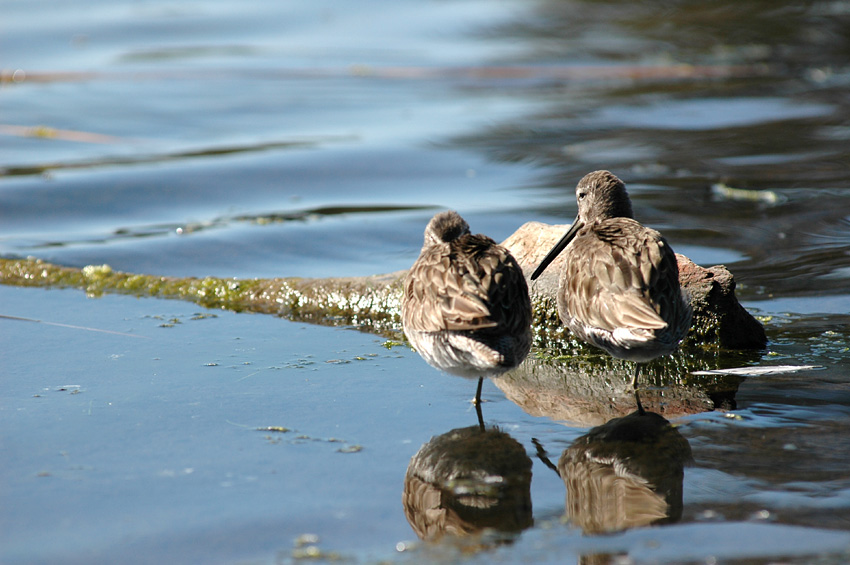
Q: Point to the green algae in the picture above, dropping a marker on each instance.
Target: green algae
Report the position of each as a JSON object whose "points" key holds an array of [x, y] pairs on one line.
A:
{"points": [[371, 303]]}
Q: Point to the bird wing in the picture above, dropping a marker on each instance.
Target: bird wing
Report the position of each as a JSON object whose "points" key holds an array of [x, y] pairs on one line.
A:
{"points": [[622, 276], [468, 284], [507, 291]]}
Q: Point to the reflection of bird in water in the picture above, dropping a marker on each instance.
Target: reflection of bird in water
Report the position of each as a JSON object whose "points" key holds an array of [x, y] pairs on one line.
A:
{"points": [[619, 287], [466, 482], [465, 306], [625, 474]]}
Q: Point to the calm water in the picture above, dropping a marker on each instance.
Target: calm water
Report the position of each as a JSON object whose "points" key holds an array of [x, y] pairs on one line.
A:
{"points": [[316, 139]]}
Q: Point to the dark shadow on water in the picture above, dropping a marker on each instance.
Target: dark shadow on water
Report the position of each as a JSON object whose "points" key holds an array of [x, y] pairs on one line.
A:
{"points": [[470, 487], [627, 473]]}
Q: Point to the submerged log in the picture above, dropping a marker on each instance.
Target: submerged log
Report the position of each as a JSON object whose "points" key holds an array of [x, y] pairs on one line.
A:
{"points": [[373, 303]]}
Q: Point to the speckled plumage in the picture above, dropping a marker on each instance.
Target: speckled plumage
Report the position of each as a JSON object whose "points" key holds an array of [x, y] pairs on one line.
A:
{"points": [[465, 306], [619, 288], [626, 473]]}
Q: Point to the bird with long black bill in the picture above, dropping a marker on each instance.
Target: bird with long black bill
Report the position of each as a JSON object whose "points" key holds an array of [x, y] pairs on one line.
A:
{"points": [[465, 306], [619, 288]]}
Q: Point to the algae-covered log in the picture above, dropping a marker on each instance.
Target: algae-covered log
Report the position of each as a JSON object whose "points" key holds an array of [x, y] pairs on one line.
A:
{"points": [[373, 302]]}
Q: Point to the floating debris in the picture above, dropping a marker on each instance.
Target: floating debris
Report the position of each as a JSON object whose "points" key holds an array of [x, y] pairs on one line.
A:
{"points": [[721, 190], [306, 539], [278, 429], [307, 548], [759, 371], [202, 316], [48, 132]]}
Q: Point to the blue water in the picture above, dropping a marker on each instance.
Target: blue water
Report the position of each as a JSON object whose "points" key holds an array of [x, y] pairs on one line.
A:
{"points": [[316, 140]]}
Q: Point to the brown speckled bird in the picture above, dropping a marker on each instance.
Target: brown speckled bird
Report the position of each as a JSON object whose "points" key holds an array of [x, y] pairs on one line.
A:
{"points": [[624, 474], [619, 289], [465, 306]]}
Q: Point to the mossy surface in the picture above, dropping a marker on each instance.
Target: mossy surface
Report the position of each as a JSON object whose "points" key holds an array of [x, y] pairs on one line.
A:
{"points": [[369, 302], [372, 303]]}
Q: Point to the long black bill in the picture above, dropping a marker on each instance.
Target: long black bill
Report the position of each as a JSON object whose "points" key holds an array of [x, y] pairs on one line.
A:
{"points": [[564, 241]]}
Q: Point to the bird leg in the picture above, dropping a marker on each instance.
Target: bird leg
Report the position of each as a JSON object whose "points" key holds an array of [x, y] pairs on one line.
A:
{"points": [[480, 416], [544, 458], [641, 411], [635, 378], [477, 402]]}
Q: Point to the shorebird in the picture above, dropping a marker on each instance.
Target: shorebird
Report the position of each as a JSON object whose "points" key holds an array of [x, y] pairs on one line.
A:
{"points": [[465, 306], [619, 287], [627, 473], [466, 481]]}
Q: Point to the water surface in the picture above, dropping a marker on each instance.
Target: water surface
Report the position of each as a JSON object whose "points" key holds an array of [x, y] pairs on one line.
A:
{"points": [[316, 140]]}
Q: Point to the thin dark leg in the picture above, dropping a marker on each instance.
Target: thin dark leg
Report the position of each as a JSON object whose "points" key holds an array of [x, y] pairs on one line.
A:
{"points": [[477, 402], [544, 458], [635, 378], [641, 411], [480, 416]]}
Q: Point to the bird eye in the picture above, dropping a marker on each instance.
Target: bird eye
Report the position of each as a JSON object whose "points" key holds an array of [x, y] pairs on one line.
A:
{"points": [[581, 195]]}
